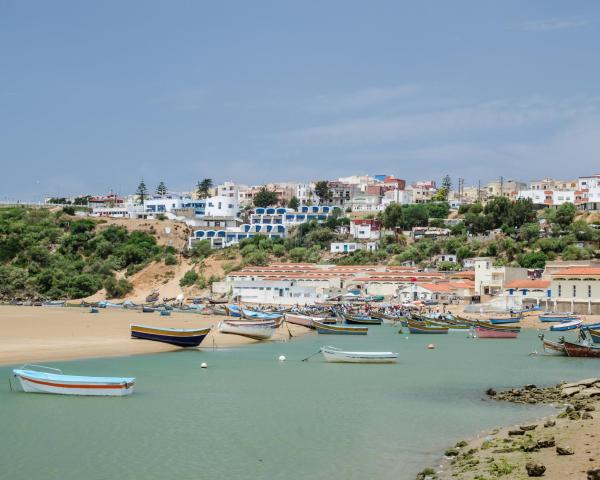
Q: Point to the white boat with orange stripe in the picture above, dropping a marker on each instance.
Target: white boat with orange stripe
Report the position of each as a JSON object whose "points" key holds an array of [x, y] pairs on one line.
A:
{"points": [[34, 381]]}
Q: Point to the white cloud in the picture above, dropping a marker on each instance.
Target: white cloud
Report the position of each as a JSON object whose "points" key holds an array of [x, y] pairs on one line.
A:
{"points": [[552, 24], [364, 98], [490, 116]]}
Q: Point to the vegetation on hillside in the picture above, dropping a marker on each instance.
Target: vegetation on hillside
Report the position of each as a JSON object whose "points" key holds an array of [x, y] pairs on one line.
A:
{"points": [[50, 255]]}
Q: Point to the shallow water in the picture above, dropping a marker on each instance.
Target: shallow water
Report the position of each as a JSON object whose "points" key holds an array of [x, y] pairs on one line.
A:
{"points": [[249, 416]]}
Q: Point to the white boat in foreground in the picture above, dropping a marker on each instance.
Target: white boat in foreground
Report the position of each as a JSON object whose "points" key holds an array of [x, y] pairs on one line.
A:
{"points": [[333, 354], [255, 332], [34, 381]]}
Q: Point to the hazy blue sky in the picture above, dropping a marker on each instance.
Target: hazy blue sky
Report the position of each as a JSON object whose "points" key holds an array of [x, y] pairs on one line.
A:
{"points": [[95, 95]]}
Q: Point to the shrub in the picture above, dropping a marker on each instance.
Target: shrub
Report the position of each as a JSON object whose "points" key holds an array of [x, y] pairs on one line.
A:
{"points": [[117, 288], [189, 278], [170, 259]]}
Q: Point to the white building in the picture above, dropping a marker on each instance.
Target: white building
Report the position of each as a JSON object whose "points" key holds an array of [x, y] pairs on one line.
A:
{"points": [[349, 247], [305, 193], [366, 203], [550, 198], [278, 292], [491, 280], [401, 197]]}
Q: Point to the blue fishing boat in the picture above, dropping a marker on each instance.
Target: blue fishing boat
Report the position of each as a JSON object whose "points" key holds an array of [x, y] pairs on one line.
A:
{"points": [[173, 336], [588, 326], [255, 315], [233, 310], [165, 313], [423, 327], [93, 310], [324, 328], [557, 317], [564, 326], [595, 334], [502, 321]]}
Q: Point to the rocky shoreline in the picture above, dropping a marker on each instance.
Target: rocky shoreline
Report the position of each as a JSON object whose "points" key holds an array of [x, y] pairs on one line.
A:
{"points": [[563, 446]]}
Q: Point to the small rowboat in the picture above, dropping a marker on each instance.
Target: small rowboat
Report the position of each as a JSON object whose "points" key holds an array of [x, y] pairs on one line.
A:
{"points": [[595, 334], [233, 310], [147, 309], [564, 326], [333, 354], [578, 350], [165, 313], [254, 315], [325, 328], [173, 336], [496, 331], [362, 320], [93, 310], [423, 327], [502, 321], [553, 347], [298, 319], [557, 317], [256, 332], [34, 381], [248, 323]]}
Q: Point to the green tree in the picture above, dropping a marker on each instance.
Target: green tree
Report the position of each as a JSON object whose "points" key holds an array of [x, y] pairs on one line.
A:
{"points": [[415, 215], [201, 249], [447, 183], [203, 188], [117, 288], [323, 192], [189, 278], [565, 215], [142, 192], [392, 217], [533, 260], [265, 198], [161, 189], [439, 209], [294, 203]]}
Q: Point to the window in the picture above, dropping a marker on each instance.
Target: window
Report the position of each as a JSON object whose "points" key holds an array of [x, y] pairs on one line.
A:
{"points": [[589, 291], [574, 290], [559, 290]]}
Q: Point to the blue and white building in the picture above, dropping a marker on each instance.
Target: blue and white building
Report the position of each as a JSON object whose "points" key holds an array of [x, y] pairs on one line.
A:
{"points": [[286, 216]]}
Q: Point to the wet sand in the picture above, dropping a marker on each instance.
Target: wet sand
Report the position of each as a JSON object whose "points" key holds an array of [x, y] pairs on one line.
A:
{"points": [[38, 334]]}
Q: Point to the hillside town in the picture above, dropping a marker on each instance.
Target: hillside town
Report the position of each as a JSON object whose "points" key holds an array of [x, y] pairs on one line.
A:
{"points": [[362, 236]]}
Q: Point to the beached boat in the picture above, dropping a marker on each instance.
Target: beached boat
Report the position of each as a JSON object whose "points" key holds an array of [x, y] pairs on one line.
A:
{"points": [[488, 330], [256, 332], [362, 320], [233, 310], [165, 313], [594, 334], [251, 323], [53, 303], [325, 328], [147, 309], [425, 327], [580, 350], [94, 310], [298, 319], [333, 354], [557, 317], [173, 336], [564, 326], [553, 347], [255, 315], [504, 320], [34, 381]]}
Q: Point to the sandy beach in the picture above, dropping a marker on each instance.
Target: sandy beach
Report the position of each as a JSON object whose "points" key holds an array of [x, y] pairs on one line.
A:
{"points": [[38, 334]]}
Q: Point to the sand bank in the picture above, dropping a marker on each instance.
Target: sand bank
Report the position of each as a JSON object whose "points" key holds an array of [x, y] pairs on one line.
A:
{"points": [[38, 334]]}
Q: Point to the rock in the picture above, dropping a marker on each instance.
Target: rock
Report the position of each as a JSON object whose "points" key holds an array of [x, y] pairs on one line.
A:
{"points": [[531, 386], [593, 474], [589, 392], [590, 408], [575, 415], [516, 432], [528, 428], [491, 392], [588, 382], [546, 442], [530, 446], [451, 452], [570, 391], [565, 450], [535, 469], [427, 473], [461, 444], [587, 416], [549, 423]]}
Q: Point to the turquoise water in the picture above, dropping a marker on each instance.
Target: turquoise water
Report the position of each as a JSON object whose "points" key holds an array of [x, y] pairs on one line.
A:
{"points": [[249, 416]]}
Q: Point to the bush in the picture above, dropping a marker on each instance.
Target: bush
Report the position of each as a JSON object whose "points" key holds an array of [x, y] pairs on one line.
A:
{"points": [[201, 249], [533, 260], [170, 259], [189, 278], [256, 258], [117, 288]]}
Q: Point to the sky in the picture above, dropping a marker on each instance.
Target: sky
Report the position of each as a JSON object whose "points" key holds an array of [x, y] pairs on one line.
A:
{"points": [[95, 96]]}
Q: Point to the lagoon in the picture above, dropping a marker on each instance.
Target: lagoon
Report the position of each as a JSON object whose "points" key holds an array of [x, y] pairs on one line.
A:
{"points": [[249, 416]]}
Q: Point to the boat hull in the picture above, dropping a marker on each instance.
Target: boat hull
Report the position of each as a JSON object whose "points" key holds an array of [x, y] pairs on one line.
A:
{"points": [[179, 338], [250, 331], [556, 318], [576, 350], [352, 320], [326, 329], [485, 332], [595, 334], [565, 326], [302, 320], [338, 356], [32, 382]]}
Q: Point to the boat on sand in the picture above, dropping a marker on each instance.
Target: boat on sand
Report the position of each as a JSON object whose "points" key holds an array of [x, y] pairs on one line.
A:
{"points": [[174, 336], [256, 332]]}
